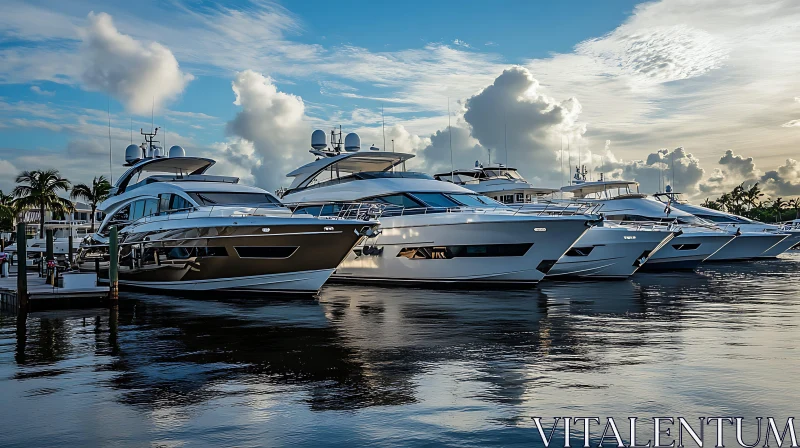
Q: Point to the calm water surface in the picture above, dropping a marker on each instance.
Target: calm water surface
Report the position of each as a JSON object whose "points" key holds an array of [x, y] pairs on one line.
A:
{"points": [[404, 367]]}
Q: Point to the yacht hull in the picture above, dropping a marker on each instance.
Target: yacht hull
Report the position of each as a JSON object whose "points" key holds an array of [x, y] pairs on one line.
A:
{"points": [[468, 248], [747, 246], [792, 240], [687, 251], [610, 253], [278, 258]]}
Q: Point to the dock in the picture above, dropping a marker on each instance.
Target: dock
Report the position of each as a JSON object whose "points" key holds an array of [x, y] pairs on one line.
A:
{"points": [[77, 291]]}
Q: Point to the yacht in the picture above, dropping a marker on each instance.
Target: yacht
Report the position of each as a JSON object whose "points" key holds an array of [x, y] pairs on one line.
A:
{"points": [[770, 240], [184, 230], [36, 245], [698, 240], [431, 231], [606, 251]]}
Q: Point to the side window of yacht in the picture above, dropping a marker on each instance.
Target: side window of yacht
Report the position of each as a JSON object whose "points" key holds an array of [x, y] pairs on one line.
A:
{"points": [[399, 200], [436, 200], [179, 203], [163, 203], [469, 200], [150, 207], [137, 210]]}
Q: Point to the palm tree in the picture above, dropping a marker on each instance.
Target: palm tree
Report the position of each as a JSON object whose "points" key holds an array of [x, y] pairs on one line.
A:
{"points": [[752, 196], [8, 211], [39, 189], [778, 206], [94, 194]]}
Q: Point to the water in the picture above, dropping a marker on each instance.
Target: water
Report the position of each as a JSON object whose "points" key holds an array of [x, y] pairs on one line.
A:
{"points": [[404, 367]]}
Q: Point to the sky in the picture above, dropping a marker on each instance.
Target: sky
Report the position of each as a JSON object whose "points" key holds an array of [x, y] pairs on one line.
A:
{"points": [[702, 95]]}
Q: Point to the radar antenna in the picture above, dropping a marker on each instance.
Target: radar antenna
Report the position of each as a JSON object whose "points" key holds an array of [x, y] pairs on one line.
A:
{"points": [[149, 139]]}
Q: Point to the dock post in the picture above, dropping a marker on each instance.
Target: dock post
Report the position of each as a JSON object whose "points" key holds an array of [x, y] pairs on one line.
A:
{"points": [[70, 250], [22, 274], [50, 280], [113, 264]]}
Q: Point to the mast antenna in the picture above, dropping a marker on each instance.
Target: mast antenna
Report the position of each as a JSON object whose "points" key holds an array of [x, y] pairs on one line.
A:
{"points": [[505, 136], [110, 167], [450, 134], [383, 127]]}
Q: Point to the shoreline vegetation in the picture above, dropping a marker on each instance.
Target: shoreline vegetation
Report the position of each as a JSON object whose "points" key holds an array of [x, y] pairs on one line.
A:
{"points": [[747, 201]]}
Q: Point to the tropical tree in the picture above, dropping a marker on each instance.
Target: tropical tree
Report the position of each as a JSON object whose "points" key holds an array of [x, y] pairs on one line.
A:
{"points": [[39, 189], [794, 204], [778, 207], [8, 211], [93, 194]]}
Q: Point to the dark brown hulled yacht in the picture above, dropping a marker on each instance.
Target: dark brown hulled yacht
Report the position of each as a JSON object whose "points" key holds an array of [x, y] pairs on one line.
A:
{"points": [[184, 230]]}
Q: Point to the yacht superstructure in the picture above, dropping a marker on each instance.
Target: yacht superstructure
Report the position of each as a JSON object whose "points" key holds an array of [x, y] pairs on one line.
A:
{"points": [[182, 230], [431, 231], [607, 250]]}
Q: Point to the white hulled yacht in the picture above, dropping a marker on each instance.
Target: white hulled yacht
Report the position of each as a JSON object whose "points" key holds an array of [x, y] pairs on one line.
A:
{"points": [[699, 240], [36, 245], [184, 230], [432, 232], [608, 250], [776, 239]]}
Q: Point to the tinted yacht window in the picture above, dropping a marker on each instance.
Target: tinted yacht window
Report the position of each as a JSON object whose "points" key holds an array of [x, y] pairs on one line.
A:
{"points": [[234, 198], [470, 200], [436, 200], [399, 200]]}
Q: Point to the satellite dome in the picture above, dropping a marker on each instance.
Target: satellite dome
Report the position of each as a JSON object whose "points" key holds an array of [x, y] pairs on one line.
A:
{"points": [[132, 154], [177, 151], [352, 142], [157, 151], [319, 140]]}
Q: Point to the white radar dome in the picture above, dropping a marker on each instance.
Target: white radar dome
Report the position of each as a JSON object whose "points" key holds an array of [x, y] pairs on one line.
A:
{"points": [[319, 140], [352, 142], [157, 152], [177, 151], [132, 154]]}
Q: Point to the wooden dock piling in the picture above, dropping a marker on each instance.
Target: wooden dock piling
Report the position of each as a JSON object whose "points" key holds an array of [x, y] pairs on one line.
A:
{"points": [[22, 276], [113, 264]]}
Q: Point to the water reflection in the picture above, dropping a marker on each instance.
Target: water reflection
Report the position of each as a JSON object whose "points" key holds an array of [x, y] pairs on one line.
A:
{"points": [[405, 364]]}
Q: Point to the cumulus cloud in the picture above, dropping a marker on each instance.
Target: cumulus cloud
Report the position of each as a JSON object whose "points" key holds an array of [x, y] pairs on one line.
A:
{"points": [[785, 181], [7, 174], [466, 150], [513, 114], [274, 122], [658, 170], [741, 167], [137, 74]]}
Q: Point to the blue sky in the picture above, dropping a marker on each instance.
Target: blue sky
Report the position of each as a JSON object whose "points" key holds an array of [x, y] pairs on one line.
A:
{"points": [[625, 83]]}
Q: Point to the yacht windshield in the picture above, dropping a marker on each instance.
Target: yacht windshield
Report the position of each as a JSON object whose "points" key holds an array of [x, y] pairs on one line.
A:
{"points": [[234, 198]]}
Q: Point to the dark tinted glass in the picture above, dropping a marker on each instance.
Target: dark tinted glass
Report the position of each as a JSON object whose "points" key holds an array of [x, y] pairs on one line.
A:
{"points": [[220, 198]]}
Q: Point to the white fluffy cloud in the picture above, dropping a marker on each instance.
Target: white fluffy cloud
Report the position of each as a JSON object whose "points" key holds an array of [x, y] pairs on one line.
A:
{"points": [[137, 74], [677, 168], [516, 122], [274, 122], [785, 181]]}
